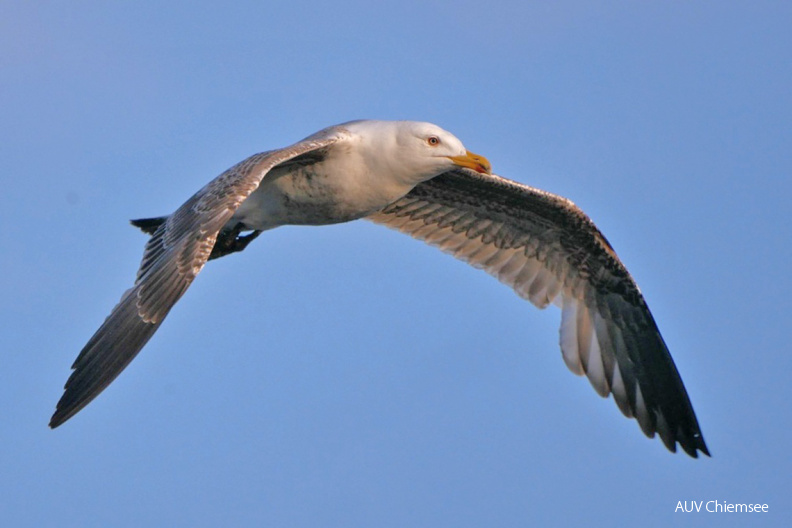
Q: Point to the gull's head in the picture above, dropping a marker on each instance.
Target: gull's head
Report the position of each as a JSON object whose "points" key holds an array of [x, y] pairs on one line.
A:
{"points": [[415, 151]]}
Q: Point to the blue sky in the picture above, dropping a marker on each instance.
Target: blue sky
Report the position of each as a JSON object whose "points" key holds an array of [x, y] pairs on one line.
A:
{"points": [[349, 375]]}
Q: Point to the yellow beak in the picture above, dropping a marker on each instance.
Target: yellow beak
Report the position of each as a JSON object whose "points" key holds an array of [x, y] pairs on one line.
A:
{"points": [[473, 161]]}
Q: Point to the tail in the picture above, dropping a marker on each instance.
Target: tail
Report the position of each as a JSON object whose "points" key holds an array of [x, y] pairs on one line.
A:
{"points": [[228, 240], [149, 225]]}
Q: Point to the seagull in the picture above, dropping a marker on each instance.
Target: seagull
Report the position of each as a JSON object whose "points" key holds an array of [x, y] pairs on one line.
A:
{"points": [[419, 179]]}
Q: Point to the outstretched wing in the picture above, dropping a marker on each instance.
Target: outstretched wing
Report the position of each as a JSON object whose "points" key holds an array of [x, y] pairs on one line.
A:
{"points": [[549, 251], [174, 255]]}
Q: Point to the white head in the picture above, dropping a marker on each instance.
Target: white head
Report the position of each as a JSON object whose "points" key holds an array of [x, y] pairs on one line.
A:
{"points": [[415, 151]]}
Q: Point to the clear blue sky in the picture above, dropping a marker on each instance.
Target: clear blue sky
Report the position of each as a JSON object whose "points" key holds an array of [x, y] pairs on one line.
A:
{"points": [[351, 376]]}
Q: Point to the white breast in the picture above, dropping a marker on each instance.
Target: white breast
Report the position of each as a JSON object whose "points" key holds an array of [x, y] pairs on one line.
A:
{"points": [[337, 189]]}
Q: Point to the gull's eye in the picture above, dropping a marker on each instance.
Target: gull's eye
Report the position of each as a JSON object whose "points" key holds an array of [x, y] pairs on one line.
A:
{"points": [[433, 141]]}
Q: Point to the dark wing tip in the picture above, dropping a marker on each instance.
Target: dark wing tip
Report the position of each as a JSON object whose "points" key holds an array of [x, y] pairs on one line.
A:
{"points": [[693, 445], [107, 353], [692, 450], [62, 414], [662, 405]]}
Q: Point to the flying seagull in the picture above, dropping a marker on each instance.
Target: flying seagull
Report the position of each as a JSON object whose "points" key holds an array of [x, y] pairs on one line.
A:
{"points": [[419, 179]]}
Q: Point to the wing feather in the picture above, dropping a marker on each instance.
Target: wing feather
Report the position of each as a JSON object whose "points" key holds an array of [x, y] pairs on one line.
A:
{"points": [[549, 251], [174, 255]]}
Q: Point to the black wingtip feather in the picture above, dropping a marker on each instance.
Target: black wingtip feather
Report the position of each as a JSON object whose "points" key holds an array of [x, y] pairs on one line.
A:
{"points": [[107, 353]]}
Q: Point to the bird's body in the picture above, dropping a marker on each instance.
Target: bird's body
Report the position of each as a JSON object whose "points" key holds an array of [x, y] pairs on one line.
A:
{"points": [[419, 179], [334, 186]]}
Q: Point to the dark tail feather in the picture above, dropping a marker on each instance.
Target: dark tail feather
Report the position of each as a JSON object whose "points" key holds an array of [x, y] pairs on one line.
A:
{"points": [[149, 225]]}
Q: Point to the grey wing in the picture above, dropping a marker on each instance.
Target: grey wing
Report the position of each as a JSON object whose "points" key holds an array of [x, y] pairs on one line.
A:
{"points": [[549, 251], [174, 255]]}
